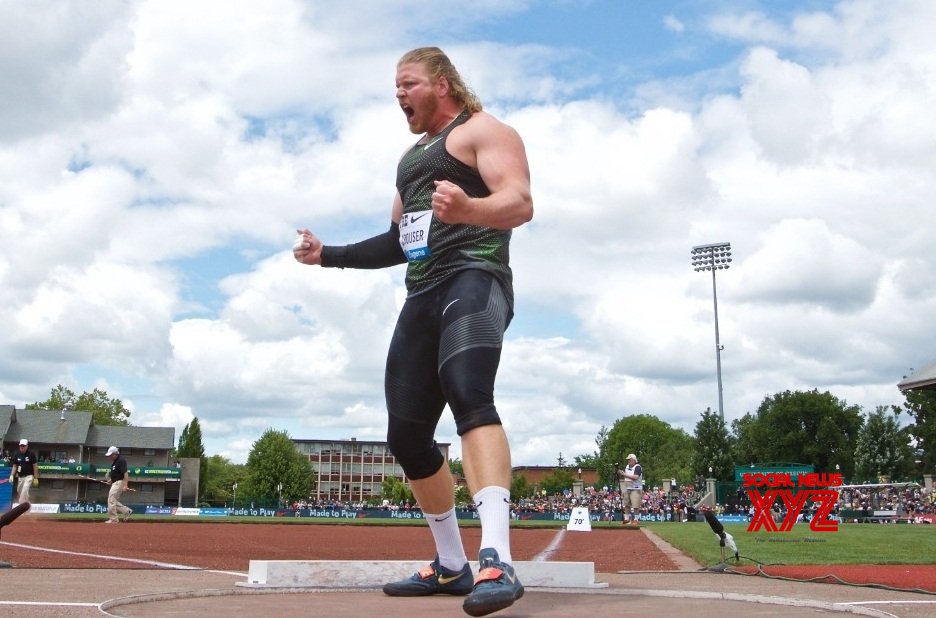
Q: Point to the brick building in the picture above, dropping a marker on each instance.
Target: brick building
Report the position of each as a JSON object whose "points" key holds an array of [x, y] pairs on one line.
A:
{"points": [[535, 474], [351, 470]]}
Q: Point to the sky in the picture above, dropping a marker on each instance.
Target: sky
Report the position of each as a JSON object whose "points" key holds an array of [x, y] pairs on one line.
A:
{"points": [[157, 157]]}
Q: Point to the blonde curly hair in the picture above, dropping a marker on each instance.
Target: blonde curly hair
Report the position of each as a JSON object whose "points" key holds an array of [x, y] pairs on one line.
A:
{"points": [[438, 64]]}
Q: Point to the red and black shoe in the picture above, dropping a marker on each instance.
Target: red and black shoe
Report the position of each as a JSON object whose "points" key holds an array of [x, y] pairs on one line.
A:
{"points": [[496, 587]]}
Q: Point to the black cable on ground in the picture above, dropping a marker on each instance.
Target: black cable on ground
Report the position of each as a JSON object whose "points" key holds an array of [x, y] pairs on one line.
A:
{"points": [[830, 578]]}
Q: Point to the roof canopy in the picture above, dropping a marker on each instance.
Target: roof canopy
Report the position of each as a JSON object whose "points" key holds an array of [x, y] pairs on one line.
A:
{"points": [[924, 378]]}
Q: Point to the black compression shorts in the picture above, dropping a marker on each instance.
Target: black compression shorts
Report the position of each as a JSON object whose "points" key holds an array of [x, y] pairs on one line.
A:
{"points": [[446, 349]]}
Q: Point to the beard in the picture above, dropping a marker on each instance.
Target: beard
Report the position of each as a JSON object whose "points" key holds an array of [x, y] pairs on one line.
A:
{"points": [[423, 116]]}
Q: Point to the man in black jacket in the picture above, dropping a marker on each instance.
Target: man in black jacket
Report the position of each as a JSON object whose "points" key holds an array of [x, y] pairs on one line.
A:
{"points": [[26, 469], [119, 480]]}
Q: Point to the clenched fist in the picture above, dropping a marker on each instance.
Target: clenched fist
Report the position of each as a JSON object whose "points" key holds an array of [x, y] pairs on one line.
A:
{"points": [[307, 249]]}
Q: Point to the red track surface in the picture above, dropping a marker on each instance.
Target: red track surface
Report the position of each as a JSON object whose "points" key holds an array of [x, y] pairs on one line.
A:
{"points": [[231, 546]]}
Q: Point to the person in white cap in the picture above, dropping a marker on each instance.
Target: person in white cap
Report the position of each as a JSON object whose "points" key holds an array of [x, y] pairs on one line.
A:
{"points": [[26, 469], [633, 490], [119, 480]]}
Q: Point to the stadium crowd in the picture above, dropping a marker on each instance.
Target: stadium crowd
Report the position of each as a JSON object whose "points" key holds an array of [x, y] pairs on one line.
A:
{"points": [[911, 504], [657, 504]]}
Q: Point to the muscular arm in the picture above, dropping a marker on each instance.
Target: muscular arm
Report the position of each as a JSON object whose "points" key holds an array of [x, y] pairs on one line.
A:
{"points": [[497, 152], [377, 251]]}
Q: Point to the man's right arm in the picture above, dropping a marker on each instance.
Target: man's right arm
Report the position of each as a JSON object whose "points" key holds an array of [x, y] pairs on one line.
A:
{"points": [[378, 251]]}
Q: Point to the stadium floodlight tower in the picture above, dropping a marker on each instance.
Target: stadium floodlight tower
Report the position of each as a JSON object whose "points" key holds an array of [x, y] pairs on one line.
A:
{"points": [[714, 257]]}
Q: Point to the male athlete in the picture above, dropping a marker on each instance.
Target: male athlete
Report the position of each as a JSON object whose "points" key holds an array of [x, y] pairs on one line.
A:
{"points": [[461, 189]]}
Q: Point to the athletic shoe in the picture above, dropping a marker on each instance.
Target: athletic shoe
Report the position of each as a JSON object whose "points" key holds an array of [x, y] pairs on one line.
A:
{"points": [[497, 586], [127, 516], [434, 579], [111, 521]]}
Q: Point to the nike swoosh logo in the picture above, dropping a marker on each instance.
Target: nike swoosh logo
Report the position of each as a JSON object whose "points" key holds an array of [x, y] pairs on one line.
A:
{"points": [[433, 142], [414, 218], [447, 580], [443, 518]]}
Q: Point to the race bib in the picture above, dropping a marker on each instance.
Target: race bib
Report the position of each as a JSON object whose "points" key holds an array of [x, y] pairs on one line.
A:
{"points": [[414, 234]]}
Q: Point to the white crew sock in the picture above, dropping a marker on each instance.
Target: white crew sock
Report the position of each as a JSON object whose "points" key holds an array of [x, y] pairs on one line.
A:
{"points": [[493, 504], [448, 541]]}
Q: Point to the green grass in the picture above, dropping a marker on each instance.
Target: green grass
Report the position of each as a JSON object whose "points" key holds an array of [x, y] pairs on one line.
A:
{"points": [[851, 544]]}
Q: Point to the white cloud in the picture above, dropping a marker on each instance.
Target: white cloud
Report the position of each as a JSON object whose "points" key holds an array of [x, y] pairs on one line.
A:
{"points": [[155, 169], [62, 63], [671, 22], [169, 415]]}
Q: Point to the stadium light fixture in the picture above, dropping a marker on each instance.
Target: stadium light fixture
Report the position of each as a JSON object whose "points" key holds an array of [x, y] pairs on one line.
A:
{"points": [[714, 257]]}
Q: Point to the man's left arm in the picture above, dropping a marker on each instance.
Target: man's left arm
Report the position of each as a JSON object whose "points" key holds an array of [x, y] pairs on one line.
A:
{"points": [[500, 158]]}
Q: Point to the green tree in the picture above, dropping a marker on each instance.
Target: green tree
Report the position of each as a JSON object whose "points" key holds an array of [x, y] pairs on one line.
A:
{"points": [[519, 488], [883, 448], [664, 452], [713, 447], [274, 460], [804, 427], [610, 457], [104, 410], [601, 460], [462, 496], [220, 477], [921, 406], [586, 461], [558, 481], [396, 491], [745, 434], [190, 441], [457, 468], [190, 445], [607, 460]]}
